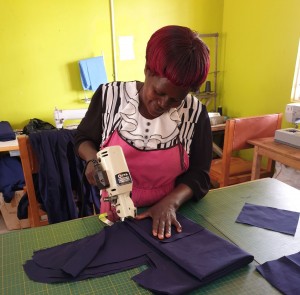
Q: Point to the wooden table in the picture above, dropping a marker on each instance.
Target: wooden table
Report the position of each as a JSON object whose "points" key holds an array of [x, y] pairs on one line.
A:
{"points": [[10, 145], [217, 212], [276, 151]]}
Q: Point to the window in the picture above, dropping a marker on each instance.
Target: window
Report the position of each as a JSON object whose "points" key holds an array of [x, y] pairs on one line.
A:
{"points": [[295, 95]]}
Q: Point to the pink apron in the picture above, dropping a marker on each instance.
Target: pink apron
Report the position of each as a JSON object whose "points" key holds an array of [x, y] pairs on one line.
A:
{"points": [[153, 172]]}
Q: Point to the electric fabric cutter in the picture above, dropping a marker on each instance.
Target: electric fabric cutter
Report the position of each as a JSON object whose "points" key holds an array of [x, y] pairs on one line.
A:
{"points": [[112, 174]]}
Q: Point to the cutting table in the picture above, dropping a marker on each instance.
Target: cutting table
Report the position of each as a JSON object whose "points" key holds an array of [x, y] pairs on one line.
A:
{"points": [[217, 212]]}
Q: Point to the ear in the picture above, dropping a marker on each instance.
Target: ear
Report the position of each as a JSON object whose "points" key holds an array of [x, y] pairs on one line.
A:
{"points": [[148, 73]]}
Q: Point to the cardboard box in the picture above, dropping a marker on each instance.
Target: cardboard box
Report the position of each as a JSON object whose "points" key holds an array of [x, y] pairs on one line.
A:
{"points": [[9, 212]]}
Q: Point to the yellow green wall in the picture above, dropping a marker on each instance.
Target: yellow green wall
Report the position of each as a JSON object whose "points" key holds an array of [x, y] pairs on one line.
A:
{"points": [[259, 48], [42, 41]]}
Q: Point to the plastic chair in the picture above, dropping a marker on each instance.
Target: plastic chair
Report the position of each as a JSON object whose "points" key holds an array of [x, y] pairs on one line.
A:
{"points": [[232, 169]]}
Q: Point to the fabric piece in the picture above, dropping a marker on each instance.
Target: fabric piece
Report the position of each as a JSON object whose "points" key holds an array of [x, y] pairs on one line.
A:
{"points": [[283, 273], [11, 176], [130, 244], [60, 176], [206, 261], [6, 131], [92, 73], [279, 220]]}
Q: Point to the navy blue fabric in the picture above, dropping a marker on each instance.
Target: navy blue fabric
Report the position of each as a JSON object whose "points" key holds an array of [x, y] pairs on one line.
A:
{"points": [[11, 176], [283, 273], [60, 175], [279, 220], [6, 131], [206, 261], [175, 266], [104, 253]]}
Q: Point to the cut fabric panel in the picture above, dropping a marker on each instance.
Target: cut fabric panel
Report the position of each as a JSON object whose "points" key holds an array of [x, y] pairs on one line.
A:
{"points": [[6, 131], [92, 73], [279, 220], [283, 273], [129, 244]]}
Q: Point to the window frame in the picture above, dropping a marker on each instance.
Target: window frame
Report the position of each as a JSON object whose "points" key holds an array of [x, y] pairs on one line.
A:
{"points": [[295, 94]]}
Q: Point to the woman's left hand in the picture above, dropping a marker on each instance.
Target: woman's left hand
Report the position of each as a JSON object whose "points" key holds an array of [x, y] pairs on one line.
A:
{"points": [[163, 215]]}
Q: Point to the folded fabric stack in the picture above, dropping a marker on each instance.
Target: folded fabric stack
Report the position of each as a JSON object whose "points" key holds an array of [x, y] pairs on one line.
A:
{"points": [[6, 132], [177, 265]]}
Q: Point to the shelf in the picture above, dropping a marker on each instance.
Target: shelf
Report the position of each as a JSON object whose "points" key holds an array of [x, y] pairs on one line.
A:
{"points": [[210, 98], [205, 94]]}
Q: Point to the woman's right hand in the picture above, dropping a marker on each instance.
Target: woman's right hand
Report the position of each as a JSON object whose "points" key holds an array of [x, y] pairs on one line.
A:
{"points": [[90, 172], [87, 152]]}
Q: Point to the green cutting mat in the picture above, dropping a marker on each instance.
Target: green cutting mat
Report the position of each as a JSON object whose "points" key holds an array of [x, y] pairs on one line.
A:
{"points": [[221, 207], [16, 247]]}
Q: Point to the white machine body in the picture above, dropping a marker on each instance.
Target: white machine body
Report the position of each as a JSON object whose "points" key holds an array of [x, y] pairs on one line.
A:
{"points": [[290, 136], [113, 162], [60, 116]]}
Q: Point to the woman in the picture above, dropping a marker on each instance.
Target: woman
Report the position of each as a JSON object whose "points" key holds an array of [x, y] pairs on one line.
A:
{"points": [[164, 131]]}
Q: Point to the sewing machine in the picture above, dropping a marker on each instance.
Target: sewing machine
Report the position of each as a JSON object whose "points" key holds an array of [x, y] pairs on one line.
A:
{"points": [[290, 136], [112, 174], [60, 116]]}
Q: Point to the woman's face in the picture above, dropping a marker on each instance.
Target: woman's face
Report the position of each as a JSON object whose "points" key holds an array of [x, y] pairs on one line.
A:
{"points": [[159, 95]]}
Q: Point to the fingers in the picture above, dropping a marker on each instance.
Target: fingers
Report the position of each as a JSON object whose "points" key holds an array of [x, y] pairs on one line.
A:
{"points": [[162, 227]]}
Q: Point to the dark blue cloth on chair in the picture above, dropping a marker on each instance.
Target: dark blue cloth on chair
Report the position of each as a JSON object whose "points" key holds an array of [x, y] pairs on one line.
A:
{"points": [[60, 175], [177, 265], [6, 131], [279, 220], [283, 273]]}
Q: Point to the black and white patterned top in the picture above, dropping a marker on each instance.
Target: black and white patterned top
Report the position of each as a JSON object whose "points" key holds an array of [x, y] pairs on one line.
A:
{"points": [[115, 106]]}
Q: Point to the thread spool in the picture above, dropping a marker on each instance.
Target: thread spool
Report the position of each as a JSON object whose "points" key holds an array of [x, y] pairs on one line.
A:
{"points": [[220, 110], [207, 86]]}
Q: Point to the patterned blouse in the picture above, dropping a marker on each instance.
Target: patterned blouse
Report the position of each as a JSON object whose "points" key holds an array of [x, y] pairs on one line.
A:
{"points": [[115, 106]]}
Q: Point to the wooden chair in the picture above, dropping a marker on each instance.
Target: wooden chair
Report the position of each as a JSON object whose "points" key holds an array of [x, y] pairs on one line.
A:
{"points": [[37, 217], [232, 169]]}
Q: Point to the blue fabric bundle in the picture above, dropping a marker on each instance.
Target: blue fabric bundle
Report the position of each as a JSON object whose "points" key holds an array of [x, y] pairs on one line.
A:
{"points": [[60, 175], [182, 263], [92, 73], [11, 176], [6, 132]]}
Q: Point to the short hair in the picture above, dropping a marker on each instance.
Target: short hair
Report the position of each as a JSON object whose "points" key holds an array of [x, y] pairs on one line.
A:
{"points": [[178, 54]]}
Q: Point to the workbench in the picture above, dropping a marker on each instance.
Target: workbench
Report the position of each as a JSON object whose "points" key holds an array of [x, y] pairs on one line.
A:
{"points": [[217, 212]]}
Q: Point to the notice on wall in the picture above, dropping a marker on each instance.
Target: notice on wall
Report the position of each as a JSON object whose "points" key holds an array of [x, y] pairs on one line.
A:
{"points": [[126, 47]]}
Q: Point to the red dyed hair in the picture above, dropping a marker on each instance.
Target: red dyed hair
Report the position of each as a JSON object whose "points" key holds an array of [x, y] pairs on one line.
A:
{"points": [[178, 54]]}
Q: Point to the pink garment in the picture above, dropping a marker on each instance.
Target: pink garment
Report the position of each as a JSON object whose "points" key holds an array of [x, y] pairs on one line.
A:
{"points": [[153, 172]]}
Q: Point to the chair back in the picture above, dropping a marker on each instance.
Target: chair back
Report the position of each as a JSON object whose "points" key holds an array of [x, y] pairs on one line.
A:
{"points": [[30, 166], [241, 130], [231, 170]]}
